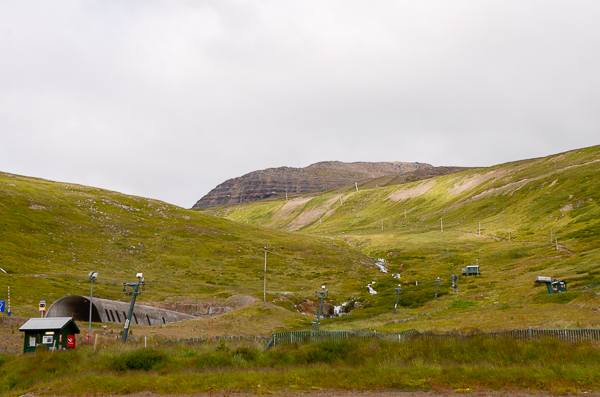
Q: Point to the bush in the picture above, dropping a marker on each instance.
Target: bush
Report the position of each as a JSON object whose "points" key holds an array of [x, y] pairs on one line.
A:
{"points": [[213, 360], [246, 353], [328, 351], [145, 359]]}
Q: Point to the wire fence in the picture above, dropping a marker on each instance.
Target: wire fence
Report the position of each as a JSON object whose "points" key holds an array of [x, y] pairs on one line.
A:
{"points": [[218, 338], [565, 335], [287, 338]]}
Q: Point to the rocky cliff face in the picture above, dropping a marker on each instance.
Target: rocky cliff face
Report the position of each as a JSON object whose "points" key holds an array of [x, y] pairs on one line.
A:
{"points": [[275, 182]]}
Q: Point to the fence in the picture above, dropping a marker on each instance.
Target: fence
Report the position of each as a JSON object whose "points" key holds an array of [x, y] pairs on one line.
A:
{"points": [[565, 335], [287, 338], [218, 338]]}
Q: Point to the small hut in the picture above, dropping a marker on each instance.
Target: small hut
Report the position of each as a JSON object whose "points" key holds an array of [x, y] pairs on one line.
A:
{"points": [[56, 333]]}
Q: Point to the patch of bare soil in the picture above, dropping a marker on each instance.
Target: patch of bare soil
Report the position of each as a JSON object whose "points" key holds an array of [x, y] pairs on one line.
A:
{"points": [[513, 187], [332, 201], [289, 207], [309, 216], [475, 180], [205, 307], [412, 192], [11, 339]]}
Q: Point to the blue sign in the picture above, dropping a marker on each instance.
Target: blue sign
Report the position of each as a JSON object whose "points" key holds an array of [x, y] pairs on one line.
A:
{"points": [[2, 306]]}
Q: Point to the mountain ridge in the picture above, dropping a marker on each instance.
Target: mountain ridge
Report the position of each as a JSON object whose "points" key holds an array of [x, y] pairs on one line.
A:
{"points": [[321, 176]]}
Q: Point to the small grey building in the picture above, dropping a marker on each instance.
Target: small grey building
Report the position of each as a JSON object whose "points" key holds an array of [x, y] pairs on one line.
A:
{"points": [[54, 333]]}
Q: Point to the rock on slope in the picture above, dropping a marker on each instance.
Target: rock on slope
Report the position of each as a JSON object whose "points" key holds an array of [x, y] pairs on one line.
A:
{"points": [[274, 182]]}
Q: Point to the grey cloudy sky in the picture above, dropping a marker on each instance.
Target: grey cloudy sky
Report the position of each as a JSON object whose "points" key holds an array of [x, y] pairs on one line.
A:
{"points": [[166, 99]]}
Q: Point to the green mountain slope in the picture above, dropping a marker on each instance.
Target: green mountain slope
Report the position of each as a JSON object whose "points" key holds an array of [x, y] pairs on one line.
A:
{"points": [[52, 234], [532, 199]]}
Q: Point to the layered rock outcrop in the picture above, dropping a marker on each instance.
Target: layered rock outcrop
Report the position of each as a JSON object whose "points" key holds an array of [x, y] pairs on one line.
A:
{"points": [[326, 175], [276, 182]]}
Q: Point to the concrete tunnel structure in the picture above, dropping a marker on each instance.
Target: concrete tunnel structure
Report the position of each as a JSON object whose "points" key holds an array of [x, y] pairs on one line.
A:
{"points": [[109, 311]]}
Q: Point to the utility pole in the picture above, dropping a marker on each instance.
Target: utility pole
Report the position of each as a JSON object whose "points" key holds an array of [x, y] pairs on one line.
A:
{"points": [[398, 290], [454, 279], [92, 277], [265, 283], [135, 291], [437, 281], [323, 294]]}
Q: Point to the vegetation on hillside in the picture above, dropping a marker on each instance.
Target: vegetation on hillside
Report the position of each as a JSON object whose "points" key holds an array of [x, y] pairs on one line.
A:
{"points": [[53, 234], [537, 201]]}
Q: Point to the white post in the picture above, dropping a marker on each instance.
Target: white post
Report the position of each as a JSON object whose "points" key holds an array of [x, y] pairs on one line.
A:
{"points": [[319, 218], [286, 194], [376, 185], [356, 186], [382, 225], [442, 224], [551, 238], [265, 284], [90, 319], [145, 344], [557, 244], [509, 234], [341, 202]]}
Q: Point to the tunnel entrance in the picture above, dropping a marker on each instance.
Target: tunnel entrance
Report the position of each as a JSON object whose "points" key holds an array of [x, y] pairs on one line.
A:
{"points": [[77, 307], [110, 311]]}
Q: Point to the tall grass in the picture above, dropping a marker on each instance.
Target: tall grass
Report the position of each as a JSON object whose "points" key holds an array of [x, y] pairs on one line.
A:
{"points": [[356, 364]]}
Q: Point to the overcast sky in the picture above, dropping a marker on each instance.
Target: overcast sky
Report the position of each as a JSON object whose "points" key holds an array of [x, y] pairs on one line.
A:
{"points": [[167, 99]]}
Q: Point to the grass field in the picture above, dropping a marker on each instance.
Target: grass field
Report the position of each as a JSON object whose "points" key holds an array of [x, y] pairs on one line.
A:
{"points": [[451, 365]]}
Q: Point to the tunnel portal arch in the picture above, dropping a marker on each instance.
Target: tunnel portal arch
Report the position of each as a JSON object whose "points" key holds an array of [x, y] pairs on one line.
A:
{"points": [[75, 306], [111, 311]]}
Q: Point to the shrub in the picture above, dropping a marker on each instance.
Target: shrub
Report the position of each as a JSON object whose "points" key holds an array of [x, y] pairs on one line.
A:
{"points": [[247, 353], [146, 359], [327, 351], [213, 360]]}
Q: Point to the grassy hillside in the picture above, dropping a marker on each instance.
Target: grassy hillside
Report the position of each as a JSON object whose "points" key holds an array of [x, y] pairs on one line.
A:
{"points": [[53, 234], [533, 199]]}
